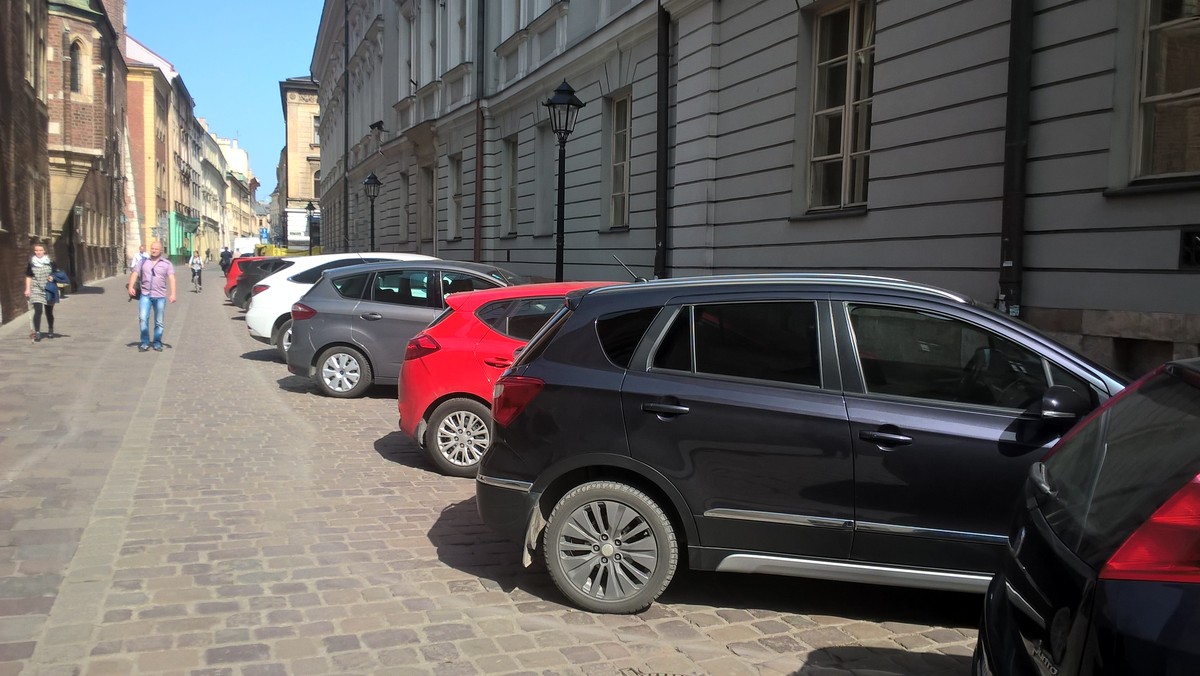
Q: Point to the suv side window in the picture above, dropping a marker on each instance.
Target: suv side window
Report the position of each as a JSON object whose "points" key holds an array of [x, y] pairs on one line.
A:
{"points": [[403, 287], [455, 282], [620, 333], [916, 353], [351, 286], [775, 341]]}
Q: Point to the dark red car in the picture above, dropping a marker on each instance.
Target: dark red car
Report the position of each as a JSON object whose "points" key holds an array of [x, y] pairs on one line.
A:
{"points": [[235, 271], [449, 369]]}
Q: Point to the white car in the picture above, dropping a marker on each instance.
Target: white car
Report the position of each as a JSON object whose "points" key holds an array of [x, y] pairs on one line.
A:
{"points": [[269, 317]]}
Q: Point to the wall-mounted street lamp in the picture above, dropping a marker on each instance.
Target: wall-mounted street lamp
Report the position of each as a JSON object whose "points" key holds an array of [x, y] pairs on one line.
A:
{"points": [[371, 185], [311, 209], [564, 112]]}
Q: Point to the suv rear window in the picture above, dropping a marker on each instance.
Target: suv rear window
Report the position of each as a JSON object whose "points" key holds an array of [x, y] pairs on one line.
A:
{"points": [[519, 318], [620, 333], [1109, 475]]}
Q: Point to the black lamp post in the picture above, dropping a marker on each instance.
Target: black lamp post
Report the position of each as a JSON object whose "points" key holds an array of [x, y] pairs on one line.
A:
{"points": [[564, 111], [311, 210], [371, 184]]}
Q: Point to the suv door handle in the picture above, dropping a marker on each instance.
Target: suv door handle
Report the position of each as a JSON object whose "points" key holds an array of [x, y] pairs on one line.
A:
{"points": [[666, 409], [498, 362], [885, 438], [371, 316]]}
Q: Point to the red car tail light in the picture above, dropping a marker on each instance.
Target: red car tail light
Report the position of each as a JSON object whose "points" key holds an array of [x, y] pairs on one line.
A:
{"points": [[1166, 548], [258, 288], [300, 312], [420, 346], [511, 395]]}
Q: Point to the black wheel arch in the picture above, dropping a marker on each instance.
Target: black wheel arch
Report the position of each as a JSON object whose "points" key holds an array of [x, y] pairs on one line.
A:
{"points": [[557, 480]]}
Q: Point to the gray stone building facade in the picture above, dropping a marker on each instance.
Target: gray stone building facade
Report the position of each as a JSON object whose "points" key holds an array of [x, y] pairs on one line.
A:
{"points": [[1042, 156]]}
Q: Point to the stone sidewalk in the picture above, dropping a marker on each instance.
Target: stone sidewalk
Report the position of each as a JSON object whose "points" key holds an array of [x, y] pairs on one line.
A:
{"points": [[200, 511]]}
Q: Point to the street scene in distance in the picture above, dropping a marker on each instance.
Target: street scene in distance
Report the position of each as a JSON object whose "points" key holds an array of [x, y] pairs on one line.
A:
{"points": [[627, 337]]}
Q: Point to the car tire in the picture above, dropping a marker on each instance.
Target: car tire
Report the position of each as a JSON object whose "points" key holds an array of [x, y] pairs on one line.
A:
{"points": [[282, 339], [457, 435], [343, 372], [610, 548]]}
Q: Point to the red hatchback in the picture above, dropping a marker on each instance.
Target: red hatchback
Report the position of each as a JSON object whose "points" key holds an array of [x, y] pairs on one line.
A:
{"points": [[235, 271], [449, 369]]}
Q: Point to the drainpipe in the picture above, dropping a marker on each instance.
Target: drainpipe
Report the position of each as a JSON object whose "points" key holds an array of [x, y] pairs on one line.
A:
{"points": [[346, 126], [477, 245], [661, 166], [1016, 151]]}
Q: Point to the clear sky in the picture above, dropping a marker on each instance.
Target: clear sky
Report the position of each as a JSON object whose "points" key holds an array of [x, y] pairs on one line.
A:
{"points": [[232, 55]]}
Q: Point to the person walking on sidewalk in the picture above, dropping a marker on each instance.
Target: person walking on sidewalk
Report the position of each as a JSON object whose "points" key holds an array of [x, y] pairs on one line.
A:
{"points": [[138, 258], [197, 265], [226, 260], [157, 279], [38, 274]]}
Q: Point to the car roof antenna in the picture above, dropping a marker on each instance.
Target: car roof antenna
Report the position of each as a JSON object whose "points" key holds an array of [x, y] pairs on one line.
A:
{"points": [[635, 277]]}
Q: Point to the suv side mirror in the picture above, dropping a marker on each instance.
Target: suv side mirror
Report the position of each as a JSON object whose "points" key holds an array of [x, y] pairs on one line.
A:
{"points": [[1063, 403]]}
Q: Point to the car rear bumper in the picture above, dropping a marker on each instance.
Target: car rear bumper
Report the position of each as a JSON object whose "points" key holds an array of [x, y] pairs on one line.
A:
{"points": [[505, 506]]}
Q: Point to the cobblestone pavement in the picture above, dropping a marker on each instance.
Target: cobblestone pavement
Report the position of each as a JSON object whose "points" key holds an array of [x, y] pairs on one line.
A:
{"points": [[200, 511]]}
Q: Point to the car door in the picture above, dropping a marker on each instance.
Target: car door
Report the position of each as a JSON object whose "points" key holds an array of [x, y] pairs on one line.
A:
{"points": [[738, 406], [398, 305], [945, 423]]}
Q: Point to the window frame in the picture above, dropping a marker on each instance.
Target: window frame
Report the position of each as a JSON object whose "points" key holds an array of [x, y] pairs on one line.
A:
{"points": [[1145, 103], [848, 152], [620, 144]]}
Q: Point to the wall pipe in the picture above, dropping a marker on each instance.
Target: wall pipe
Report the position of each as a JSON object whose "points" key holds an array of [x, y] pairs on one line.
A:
{"points": [[1016, 152], [480, 44], [662, 168]]}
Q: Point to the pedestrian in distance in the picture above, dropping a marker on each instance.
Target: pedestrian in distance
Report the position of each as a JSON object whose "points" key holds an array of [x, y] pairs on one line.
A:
{"points": [[41, 288], [156, 279], [226, 260], [138, 257], [207, 255], [197, 265]]}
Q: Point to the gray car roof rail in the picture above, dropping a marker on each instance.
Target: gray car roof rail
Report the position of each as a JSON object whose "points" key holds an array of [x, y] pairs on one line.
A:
{"points": [[807, 278]]}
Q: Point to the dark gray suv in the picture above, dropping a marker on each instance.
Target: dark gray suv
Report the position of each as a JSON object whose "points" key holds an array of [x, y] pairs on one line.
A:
{"points": [[827, 426], [351, 329]]}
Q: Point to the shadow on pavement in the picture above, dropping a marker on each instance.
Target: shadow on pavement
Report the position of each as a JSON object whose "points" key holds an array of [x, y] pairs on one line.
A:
{"points": [[238, 318], [398, 448], [297, 384], [882, 662], [265, 354], [89, 290]]}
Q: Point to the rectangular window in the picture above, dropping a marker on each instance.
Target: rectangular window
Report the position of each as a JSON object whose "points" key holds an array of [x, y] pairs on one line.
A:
{"points": [[1170, 91], [461, 26], [622, 119], [508, 188], [316, 129], [510, 18], [841, 123], [454, 220], [408, 82], [775, 341]]}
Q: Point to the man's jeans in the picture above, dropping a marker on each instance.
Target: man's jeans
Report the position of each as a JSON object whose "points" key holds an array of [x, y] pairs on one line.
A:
{"points": [[160, 307]]}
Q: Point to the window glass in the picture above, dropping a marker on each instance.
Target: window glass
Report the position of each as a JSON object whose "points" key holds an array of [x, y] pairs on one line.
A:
{"points": [[493, 314], [774, 341], [311, 275], [1109, 476], [675, 351], [457, 282], [620, 333], [351, 286], [403, 287], [840, 142], [1169, 100], [913, 353], [528, 315]]}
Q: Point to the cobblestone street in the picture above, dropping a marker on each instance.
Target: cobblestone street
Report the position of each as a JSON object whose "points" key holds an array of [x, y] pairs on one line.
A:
{"points": [[201, 511]]}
